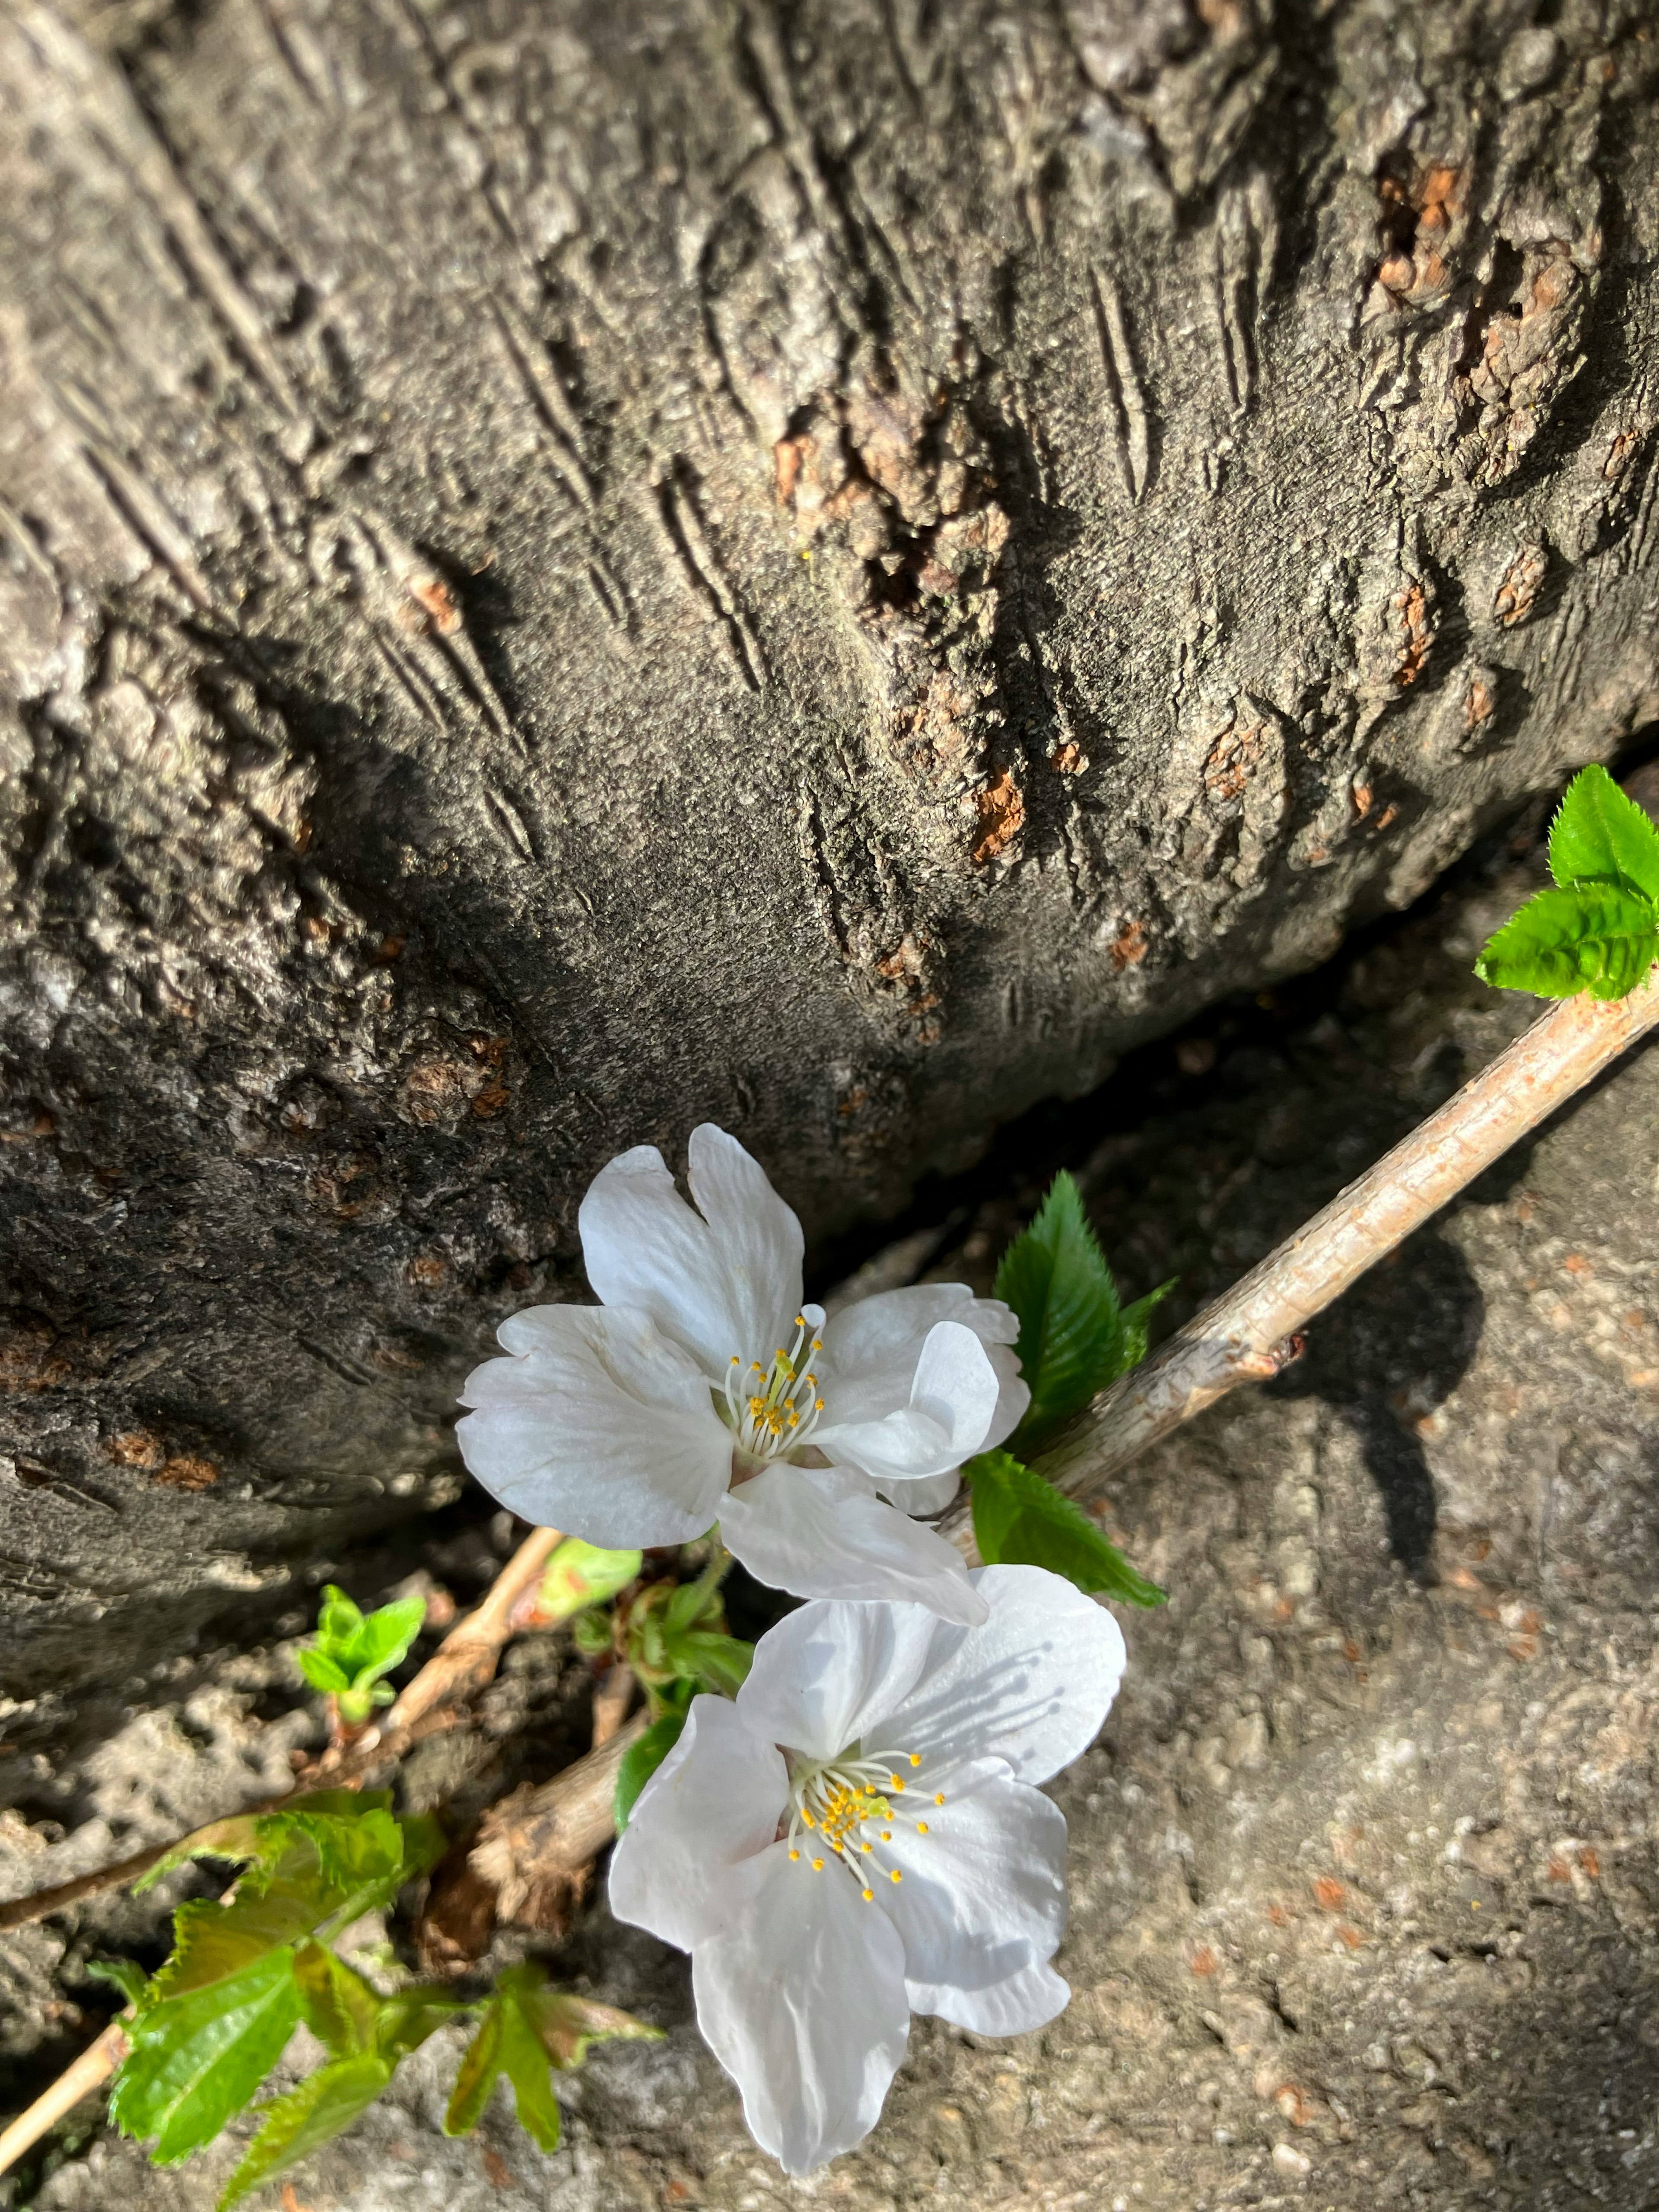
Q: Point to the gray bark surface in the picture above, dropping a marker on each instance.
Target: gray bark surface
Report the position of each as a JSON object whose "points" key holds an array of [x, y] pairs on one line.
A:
{"points": [[569, 569]]}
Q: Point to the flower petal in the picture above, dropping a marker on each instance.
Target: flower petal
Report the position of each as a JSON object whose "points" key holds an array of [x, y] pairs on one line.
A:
{"points": [[816, 1532], [689, 1861], [803, 2003], [871, 1349], [954, 1392], [983, 1892], [599, 1425], [725, 1280], [1028, 1999], [1032, 1686], [925, 1494], [827, 1675]]}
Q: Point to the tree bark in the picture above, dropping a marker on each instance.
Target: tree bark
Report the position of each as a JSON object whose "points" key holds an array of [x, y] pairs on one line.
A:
{"points": [[568, 569]]}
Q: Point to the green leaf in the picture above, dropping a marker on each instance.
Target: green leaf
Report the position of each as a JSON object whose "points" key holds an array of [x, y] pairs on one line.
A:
{"points": [[196, 2059], [529, 2032], [383, 1640], [262, 1838], [335, 2002], [720, 1663], [1133, 1320], [339, 1621], [475, 2079], [579, 1575], [332, 1868], [324, 2103], [1594, 936], [121, 1974], [1073, 1339], [324, 1673], [1599, 836], [405, 2020], [1020, 1520], [642, 1760]]}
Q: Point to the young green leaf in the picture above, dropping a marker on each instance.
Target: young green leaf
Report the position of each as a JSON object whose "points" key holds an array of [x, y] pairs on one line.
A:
{"points": [[383, 1641], [307, 2117], [529, 2032], [121, 1974], [335, 2002], [1020, 1520], [720, 1663], [1595, 937], [194, 2060], [642, 1759], [1599, 836], [324, 1673], [1073, 1337], [579, 1575], [1135, 1319], [262, 1838]]}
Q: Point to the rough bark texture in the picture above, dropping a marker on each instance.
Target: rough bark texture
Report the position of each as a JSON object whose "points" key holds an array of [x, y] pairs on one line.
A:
{"points": [[570, 568], [1364, 1880]]}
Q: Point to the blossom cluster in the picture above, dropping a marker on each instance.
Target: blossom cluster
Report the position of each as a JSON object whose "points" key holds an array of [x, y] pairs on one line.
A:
{"points": [[858, 1834]]}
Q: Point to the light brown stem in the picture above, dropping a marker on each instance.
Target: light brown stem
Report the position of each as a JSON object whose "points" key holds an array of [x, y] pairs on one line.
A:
{"points": [[534, 1844], [89, 2072], [611, 1702], [463, 1663], [1247, 1335]]}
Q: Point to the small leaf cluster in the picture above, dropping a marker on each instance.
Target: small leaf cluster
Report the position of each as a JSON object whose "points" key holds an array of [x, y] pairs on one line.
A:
{"points": [[1075, 1338], [205, 2031], [353, 1650], [1597, 928]]}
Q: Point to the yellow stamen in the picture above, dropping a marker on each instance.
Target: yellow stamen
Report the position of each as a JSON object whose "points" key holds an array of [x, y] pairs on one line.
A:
{"points": [[915, 1758], [868, 1895], [818, 1344], [817, 1405], [807, 1821], [866, 1847], [922, 1828], [895, 1782], [818, 1866], [800, 1320], [887, 1835], [939, 1796], [794, 1855], [895, 1875]]}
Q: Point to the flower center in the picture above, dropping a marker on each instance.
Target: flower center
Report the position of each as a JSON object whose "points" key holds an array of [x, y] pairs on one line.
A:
{"points": [[848, 1808], [774, 1409]]}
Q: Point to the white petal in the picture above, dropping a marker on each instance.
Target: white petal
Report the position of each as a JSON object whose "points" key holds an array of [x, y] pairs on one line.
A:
{"points": [[1028, 1999], [809, 1530], [830, 1674], [983, 1892], [725, 1280], [927, 1495], [598, 1426], [954, 1392], [756, 1238], [803, 2003], [688, 1862], [1032, 1686], [871, 1350]]}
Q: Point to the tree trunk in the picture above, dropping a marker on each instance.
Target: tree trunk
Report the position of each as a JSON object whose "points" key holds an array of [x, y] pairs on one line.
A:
{"points": [[570, 569]]}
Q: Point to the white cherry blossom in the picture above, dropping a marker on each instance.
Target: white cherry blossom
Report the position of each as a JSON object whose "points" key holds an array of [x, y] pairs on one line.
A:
{"points": [[858, 1837], [702, 1389]]}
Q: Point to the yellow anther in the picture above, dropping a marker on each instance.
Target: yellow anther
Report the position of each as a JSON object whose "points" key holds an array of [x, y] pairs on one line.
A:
{"points": [[817, 1405], [895, 1782], [922, 1828], [868, 1895], [780, 1354], [794, 1420], [915, 1758], [939, 1796], [818, 1344], [818, 1866], [866, 1847], [794, 1855], [887, 1835], [895, 1875], [807, 1821], [800, 1320], [736, 1362]]}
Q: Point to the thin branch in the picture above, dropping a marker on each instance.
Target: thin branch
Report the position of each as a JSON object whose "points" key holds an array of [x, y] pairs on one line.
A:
{"points": [[1247, 1334], [611, 1698], [89, 2072], [462, 1664]]}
